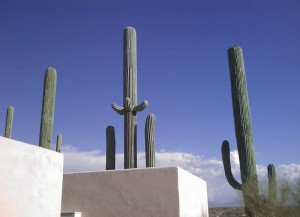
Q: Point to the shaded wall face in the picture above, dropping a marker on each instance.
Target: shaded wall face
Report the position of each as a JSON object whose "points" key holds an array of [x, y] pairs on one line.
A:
{"points": [[30, 180], [159, 192]]}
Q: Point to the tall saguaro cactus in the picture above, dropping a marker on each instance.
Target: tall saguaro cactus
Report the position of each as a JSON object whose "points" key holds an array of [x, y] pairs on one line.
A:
{"points": [[48, 108], [243, 131], [149, 141], [110, 148], [130, 107], [9, 122]]}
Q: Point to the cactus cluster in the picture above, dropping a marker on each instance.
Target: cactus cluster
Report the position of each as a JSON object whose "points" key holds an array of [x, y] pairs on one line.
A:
{"points": [[47, 113], [130, 107], [243, 131]]}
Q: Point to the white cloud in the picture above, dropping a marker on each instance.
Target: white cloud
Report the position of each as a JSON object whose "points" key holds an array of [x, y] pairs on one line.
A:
{"points": [[209, 169]]}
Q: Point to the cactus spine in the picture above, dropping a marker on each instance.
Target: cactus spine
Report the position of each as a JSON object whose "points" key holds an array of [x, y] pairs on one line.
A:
{"points": [[110, 148], [9, 122], [58, 143], [48, 108], [130, 107], [149, 141], [243, 130]]}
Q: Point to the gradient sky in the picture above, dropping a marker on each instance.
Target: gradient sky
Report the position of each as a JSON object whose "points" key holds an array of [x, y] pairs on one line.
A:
{"points": [[182, 71]]}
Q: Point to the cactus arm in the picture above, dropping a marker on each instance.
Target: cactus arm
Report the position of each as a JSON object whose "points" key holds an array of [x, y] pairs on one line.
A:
{"points": [[149, 141], [58, 143], [119, 109], [227, 166], [9, 122], [110, 148], [141, 106], [48, 108]]}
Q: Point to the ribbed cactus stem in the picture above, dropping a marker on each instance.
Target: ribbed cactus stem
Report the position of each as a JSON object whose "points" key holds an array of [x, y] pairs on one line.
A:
{"points": [[243, 130], [58, 143], [149, 141], [272, 178], [110, 148], [48, 108], [130, 107], [9, 122]]}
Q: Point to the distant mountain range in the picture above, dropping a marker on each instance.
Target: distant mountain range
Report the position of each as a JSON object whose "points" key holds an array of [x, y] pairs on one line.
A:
{"points": [[212, 204]]}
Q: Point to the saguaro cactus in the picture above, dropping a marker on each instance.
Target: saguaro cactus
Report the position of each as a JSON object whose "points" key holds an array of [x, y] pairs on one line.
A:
{"points": [[110, 148], [9, 122], [58, 143], [149, 141], [48, 108], [243, 131], [130, 107]]}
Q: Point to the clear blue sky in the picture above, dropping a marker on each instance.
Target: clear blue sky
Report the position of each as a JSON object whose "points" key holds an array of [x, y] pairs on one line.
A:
{"points": [[182, 71]]}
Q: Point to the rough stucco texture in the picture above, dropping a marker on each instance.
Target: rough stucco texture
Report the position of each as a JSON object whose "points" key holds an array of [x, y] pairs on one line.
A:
{"points": [[30, 180], [151, 192]]}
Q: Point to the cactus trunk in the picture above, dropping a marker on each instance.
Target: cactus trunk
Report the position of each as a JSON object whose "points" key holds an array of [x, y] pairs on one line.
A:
{"points": [[149, 141], [48, 108], [130, 107], [9, 122], [272, 178], [58, 143], [110, 148], [243, 130]]}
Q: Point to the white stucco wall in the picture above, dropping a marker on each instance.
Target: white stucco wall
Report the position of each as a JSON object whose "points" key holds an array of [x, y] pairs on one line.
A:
{"points": [[192, 195], [151, 192], [30, 180]]}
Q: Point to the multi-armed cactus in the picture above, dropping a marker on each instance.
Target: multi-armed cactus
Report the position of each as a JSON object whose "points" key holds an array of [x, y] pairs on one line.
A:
{"points": [[58, 143], [9, 122], [243, 131], [48, 108], [149, 141], [110, 148], [130, 107]]}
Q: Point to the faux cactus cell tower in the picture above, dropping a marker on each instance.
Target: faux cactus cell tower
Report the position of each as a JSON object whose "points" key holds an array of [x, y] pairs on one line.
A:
{"points": [[149, 141], [243, 130], [9, 122], [130, 107], [110, 148], [48, 108]]}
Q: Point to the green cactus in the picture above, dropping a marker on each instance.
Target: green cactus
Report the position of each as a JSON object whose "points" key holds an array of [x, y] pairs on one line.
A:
{"points": [[243, 131], [48, 108], [9, 122], [58, 143], [272, 178], [130, 107], [110, 148], [149, 141]]}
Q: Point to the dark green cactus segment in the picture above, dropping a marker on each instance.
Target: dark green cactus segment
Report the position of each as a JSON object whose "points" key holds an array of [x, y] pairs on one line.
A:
{"points": [[58, 143], [48, 108], [227, 166], [9, 122], [130, 106], [149, 141], [241, 111], [272, 178], [110, 148]]}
